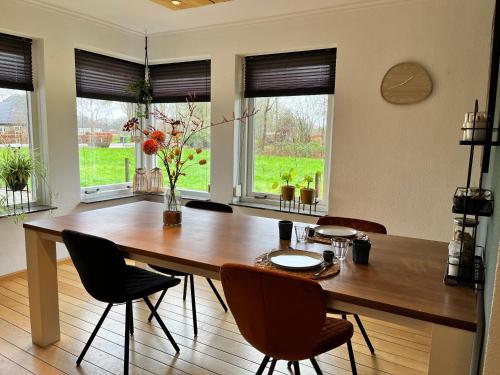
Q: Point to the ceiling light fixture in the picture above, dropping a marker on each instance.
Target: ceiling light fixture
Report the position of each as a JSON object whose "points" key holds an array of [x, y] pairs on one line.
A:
{"points": [[176, 2]]}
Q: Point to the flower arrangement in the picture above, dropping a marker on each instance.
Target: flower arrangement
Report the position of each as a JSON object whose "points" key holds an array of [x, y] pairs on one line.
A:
{"points": [[172, 145]]}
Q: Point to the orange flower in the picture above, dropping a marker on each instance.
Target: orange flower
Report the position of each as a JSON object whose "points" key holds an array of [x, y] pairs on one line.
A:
{"points": [[177, 151], [158, 136], [202, 162], [150, 147], [190, 156], [199, 150]]}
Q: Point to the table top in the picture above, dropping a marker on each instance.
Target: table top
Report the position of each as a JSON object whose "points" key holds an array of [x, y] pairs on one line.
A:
{"points": [[404, 277]]}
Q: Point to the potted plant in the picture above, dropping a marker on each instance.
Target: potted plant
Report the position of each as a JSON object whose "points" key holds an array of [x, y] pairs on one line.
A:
{"points": [[287, 189], [306, 193], [16, 168]]}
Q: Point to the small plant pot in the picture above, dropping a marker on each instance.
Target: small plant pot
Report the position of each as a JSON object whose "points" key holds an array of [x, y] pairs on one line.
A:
{"points": [[15, 183], [306, 196], [287, 192]]}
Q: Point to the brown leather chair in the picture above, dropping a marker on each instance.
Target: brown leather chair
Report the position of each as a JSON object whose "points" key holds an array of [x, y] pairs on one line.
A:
{"points": [[364, 226], [283, 316]]}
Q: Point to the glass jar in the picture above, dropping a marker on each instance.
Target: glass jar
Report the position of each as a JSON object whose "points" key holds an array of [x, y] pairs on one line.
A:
{"points": [[172, 212], [463, 240]]}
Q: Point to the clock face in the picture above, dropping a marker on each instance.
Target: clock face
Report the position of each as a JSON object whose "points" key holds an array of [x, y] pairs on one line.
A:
{"points": [[406, 83]]}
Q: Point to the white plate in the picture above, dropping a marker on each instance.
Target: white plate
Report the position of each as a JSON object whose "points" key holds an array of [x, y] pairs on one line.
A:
{"points": [[295, 259], [335, 231]]}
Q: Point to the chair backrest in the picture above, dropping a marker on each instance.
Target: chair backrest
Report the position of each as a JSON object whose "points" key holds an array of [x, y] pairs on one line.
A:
{"points": [[358, 224], [211, 206], [99, 263], [280, 315]]}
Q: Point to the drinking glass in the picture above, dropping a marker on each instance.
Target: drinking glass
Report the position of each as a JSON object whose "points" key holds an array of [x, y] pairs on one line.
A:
{"points": [[301, 233], [340, 247]]}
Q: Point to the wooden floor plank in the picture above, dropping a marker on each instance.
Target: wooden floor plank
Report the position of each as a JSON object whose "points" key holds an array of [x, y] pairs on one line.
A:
{"points": [[218, 349]]}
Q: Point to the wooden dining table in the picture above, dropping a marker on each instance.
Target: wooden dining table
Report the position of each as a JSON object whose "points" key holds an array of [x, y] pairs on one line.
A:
{"points": [[403, 282]]}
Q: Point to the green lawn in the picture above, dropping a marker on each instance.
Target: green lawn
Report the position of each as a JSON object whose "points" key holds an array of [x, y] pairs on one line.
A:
{"points": [[103, 166]]}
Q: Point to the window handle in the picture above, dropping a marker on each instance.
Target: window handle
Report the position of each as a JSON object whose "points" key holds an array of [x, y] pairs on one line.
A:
{"points": [[91, 191], [260, 196]]}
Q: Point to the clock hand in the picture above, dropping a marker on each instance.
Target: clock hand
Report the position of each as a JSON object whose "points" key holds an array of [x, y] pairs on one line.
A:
{"points": [[401, 84]]}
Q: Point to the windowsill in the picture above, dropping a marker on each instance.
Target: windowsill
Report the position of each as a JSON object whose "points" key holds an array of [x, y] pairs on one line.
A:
{"points": [[267, 205], [124, 194], [33, 209]]}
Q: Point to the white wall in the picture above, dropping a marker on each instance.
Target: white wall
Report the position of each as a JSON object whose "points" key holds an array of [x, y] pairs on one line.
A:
{"points": [[398, 165], [395, 164], [56, 36]]}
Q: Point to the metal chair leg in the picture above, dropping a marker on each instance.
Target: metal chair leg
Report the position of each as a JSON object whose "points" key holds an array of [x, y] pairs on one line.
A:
{"points": [[363, 332], [262, 366], [185, 287], [351, 358], [316, 366], [193, 305], [162, 325], [94, 332], [131, 314], [216, 292], [127, 329], [296, 368], [157, 304], [273, 365]]}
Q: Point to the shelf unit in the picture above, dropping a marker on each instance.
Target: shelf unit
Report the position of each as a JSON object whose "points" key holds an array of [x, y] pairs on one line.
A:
{"points": [[472, 273]]}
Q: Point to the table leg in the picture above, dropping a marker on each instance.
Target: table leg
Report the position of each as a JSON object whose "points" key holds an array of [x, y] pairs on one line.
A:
{"points": [[451, 351], [42, 285]]}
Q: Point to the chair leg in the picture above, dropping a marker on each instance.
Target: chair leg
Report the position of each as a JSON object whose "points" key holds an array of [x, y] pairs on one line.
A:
{"points": [[157, 304], [316, 366], [96, 329], [131, 314], [296, 368], [351, 358], [262, 366], [363, 332], [127, 329], [193, 305], [185, 287], [273, 365], [162, 325], [216, 292]]}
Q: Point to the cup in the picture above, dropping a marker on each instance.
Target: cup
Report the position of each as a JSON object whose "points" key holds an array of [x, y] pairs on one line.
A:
{"points": [[285, 227], [328, 256], [340, 247], [301, 233], [361, 251]]}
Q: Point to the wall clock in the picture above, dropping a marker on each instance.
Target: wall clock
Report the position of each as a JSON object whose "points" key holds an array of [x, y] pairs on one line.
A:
{"points": [[406, 83]]}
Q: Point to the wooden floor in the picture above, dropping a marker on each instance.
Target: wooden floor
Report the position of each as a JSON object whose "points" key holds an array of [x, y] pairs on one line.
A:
{"points": [[218, 349]]}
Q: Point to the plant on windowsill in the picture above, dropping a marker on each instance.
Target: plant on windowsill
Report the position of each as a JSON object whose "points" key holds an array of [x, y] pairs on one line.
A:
{"points": [[173, 149], [287, 189], [16, 168], [306, 193]]}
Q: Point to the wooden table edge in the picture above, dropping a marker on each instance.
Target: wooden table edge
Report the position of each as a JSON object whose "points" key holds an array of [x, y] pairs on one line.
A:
{"points": [[430, 318]]}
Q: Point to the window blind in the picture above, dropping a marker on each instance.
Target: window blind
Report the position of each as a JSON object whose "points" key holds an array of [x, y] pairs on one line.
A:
{"points": [[173, 83], [104, 77], [294, 73], [15, 63]]}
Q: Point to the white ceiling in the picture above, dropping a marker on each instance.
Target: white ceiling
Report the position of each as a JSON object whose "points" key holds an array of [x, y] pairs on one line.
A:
{"points": [[139, 15]]}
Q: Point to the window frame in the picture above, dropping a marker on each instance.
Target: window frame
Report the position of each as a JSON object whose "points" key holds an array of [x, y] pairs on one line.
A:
{"points": [[247, 158], [120, 187]]}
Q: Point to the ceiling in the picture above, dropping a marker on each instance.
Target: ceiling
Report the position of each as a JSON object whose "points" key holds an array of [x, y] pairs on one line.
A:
{"points": [[139, 15]]}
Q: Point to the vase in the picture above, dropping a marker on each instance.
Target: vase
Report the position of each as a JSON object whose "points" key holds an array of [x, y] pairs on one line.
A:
{"points": [[17, 182], [307, 196], [172, 213], [287, 192]]}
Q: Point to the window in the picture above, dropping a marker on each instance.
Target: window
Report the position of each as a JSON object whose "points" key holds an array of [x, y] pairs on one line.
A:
{"points": [[16, 84], [107, 155], [293, 95], [172, 84]]}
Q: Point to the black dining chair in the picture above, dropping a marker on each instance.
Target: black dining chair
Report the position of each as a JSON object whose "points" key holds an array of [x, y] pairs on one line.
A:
{"points": [[107, 278], [202, 205]]}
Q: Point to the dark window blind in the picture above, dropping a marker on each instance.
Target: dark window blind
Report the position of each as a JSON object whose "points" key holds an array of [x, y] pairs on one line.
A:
{"points": [[104, 77], [15, 63], [173, 83], [294, 73]]}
